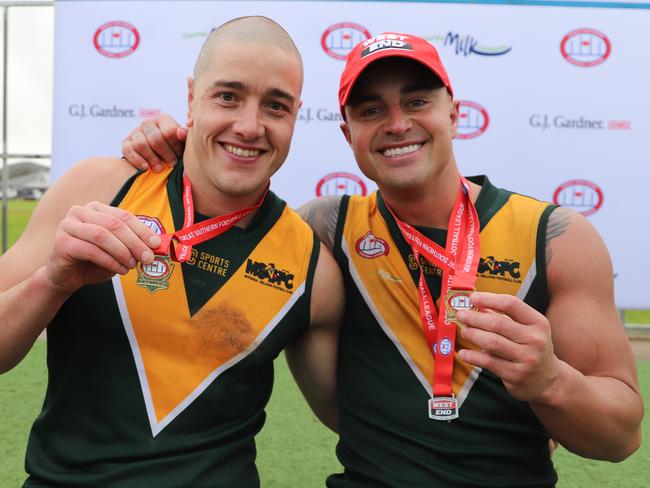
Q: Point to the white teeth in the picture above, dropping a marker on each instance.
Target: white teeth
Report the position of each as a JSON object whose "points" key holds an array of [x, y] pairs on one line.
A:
{"points": [[245, 153], [398, 151]]}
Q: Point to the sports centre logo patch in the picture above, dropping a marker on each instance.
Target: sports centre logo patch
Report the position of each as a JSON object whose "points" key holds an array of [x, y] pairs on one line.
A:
{"points": [[116, 39]]}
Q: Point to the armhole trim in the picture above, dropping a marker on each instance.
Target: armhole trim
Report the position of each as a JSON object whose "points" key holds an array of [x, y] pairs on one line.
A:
{"points": [[541, 252]]}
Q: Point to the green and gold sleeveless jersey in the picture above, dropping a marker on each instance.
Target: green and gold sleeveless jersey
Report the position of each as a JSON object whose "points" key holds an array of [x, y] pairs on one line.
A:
{"points": [[159, 378], [386, 368]]}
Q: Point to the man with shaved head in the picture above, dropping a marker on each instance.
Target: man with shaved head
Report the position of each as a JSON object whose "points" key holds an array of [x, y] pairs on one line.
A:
{"points": [[166, 296], [479, 322]]}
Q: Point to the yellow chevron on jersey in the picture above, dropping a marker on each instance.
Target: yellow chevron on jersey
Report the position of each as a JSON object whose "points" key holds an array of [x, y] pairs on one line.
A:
{"points": [[179, 355], [508, 245], [386, 284]]}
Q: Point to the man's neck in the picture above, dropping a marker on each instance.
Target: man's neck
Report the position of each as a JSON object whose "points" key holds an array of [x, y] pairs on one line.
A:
{"points": [[212, 202], [430, 208]]}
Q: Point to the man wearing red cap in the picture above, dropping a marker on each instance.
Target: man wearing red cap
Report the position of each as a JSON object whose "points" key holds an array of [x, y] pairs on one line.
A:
{"points": [[441, 385]]}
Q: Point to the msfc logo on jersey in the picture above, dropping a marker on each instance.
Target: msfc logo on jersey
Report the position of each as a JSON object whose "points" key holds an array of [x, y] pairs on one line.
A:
{"points": [[370, 246], [269, 275]]}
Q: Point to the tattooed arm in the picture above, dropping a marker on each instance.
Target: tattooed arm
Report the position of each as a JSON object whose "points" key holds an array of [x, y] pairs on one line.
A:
{"points": [[322, 215], [574, 365]]}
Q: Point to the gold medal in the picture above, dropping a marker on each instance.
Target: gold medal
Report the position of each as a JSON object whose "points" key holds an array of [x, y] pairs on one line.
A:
{"points": [[458, 300]]}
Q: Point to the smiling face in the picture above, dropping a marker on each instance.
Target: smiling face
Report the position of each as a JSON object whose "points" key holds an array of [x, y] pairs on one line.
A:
{"points": [[242, 112], [400, 122]]}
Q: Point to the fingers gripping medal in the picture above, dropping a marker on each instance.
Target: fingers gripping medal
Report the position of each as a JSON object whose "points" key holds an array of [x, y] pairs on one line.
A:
{"points": [[457, 300]]}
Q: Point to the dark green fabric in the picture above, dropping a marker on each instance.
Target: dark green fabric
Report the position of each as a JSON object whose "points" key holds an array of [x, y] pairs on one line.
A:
{"points": [[93, 430], [387, 439]]}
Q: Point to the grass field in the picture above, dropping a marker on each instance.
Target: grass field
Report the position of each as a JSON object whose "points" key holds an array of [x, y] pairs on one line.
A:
{"points": [[295, 451]]}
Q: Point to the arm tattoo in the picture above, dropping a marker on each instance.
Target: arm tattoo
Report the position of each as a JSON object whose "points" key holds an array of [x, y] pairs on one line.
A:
{"points": [[322, 214], [558, 221]]}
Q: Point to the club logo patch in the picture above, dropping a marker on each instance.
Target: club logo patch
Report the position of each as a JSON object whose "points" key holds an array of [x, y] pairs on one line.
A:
{"points": [[370, 246], [155, 276]]}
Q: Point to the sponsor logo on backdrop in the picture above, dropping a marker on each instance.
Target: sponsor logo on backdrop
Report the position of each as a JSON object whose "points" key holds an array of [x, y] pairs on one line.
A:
{"points": [[269, 275], [195, 35], [370, 246], [585, 47], [545, 121], [466, 44], [473, 120], [82, 110], [116, 39], [310, 114], [583, 196], [339, 39], [341, 183]]}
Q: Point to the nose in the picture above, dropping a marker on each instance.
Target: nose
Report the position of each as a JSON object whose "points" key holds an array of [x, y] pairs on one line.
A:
{"points": [[396, 121], [248, 124]]}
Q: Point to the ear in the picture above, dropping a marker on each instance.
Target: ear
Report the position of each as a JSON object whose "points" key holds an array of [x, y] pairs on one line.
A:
{"points": [[190, 99], [345, 128], [453, 117]]}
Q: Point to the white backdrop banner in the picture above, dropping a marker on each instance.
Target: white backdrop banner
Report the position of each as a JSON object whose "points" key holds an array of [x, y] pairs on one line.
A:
{"points": [[553, 95]]}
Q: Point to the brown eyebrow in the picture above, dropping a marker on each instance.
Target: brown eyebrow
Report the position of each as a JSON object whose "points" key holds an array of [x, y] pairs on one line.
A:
{"points": [[238, 85], [357, 99]]}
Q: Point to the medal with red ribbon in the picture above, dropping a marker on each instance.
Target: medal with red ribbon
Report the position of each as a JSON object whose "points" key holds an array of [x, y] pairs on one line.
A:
{"points": [[458, 261], [178, 246]]}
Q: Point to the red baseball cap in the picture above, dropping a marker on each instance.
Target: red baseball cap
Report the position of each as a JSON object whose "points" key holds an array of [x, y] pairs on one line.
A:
{"points": [[389, 44]]}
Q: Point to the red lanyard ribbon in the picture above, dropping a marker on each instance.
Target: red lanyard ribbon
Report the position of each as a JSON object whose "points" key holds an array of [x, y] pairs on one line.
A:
{"points": [[458, 261], [178, 245]]}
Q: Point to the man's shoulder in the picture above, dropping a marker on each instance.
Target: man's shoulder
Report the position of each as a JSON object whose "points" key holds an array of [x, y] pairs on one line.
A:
{"points": [[97, 178], [322, 215]]}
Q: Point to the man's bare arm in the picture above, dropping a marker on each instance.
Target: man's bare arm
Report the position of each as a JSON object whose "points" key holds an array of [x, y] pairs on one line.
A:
{"points": [[575, 365], [67, 243], [312, 359], [322, 215]]}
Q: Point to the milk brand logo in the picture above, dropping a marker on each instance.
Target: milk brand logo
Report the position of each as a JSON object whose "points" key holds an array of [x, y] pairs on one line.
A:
{"points": [[116, 39], [370, 246], [581, 195], [341, 183], [339, 39], [467, 44], [473, 120], [585, 47]]}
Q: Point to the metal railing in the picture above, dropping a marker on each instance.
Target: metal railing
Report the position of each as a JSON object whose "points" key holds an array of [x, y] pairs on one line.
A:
{"points": [[5, 6]]}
